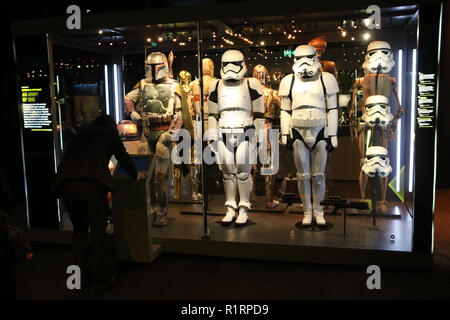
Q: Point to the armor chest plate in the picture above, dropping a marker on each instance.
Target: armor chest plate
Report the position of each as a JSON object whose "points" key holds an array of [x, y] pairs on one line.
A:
{"points": [[376, 85], [308, 93], [155, 98], [234, 97]]}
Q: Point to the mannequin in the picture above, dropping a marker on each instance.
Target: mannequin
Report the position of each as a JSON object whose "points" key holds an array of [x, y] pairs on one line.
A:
{"points": [[208, 78], [270, 100], [236, 105], [309, 122], [153, 104]]}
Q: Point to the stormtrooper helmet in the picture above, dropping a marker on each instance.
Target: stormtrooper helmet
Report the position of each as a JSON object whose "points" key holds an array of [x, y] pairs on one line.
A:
{"points": [[377, 111], [379, 58], [156, 66], [262, 74], [376, 162], [233, 65], [306, 62]]}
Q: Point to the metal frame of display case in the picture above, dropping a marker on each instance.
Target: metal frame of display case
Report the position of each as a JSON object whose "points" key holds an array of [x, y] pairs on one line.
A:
{"points": [[428, 48]]}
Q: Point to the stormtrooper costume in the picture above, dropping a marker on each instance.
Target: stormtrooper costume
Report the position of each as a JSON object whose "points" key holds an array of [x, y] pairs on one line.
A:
{"points": [[235, 104], [261, 73], [309, 123], [153, 104]]}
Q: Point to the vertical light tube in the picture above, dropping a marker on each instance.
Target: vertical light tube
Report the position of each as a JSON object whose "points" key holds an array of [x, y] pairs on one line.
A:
{"points": [[413, 120], [116, 93], [107, 89], [399, 123]]}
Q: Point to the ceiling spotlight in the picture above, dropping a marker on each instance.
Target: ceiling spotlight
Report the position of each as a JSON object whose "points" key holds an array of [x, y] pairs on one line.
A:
{"points": [[262, 43], [353, 38], [160, 39], [343, 33], [100, 31], [149, 39], [174, 39], [366, 36]]}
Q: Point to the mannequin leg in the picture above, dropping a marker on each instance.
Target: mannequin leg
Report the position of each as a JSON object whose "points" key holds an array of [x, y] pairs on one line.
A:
{"points": [[228, 168], [301, 159], [318, 163], [162, 191], [244, 180]]}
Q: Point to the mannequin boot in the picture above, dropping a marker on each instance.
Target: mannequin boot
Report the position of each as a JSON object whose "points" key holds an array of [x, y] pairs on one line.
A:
{"points": [[318, 216], [242, 218], [307, 217], [160, 218], [229, 216]]}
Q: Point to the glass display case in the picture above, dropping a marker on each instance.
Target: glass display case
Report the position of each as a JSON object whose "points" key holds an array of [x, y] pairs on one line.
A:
{"points": [[336, 105]]}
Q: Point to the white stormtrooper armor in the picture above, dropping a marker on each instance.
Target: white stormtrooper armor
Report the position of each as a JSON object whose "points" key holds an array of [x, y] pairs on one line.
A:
{"points": [[309, 122], [377, 162], [232, 101], [379, 58], [377, 111]]}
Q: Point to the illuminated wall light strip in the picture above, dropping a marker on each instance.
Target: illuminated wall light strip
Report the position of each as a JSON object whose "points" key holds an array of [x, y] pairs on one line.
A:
{"points": [[399, 123], [413, 122], [107, 89], [116, 93]]}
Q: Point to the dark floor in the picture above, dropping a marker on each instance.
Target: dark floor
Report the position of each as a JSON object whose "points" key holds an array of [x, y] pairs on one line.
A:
{"points": [[193, 277]]}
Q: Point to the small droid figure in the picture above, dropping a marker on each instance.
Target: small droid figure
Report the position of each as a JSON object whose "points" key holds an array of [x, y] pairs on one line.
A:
{"points": [[153, 104], [309, 123], [236, 106], [270, 102]]}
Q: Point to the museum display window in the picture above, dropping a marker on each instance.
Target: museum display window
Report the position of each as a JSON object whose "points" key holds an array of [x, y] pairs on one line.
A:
{"points": [[362, 84]]}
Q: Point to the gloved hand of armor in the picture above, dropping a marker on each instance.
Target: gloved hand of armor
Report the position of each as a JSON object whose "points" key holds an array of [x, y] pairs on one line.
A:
{"points": [[332, 143], [135, 117], [288, 142]]}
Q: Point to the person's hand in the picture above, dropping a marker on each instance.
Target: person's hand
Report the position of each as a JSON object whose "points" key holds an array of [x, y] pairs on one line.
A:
{"points": [[142, 175]]}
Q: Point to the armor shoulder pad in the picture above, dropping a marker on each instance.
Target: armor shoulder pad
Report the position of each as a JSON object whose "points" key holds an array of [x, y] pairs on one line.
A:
{"points": [[213, 94], [330, 83], [285, 85], [255, 85]]}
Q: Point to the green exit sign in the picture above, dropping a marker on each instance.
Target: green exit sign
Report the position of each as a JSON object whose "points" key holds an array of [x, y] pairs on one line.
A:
{"points": [[288, 53]]}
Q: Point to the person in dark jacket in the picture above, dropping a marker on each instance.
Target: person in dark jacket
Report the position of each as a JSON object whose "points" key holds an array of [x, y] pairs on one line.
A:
{"points": [[83, 181]]}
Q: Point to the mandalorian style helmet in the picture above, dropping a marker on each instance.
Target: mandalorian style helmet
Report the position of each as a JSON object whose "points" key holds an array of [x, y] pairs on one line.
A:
{"points": [[208, 67], [379, 58], [306, 63], [377, 111], [319, 44], [233, 65], [376, 161], [262, 74], [156, 66]]}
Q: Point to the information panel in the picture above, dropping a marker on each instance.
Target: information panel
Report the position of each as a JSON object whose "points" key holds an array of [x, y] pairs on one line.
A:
{"points": [[35, 109]]}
